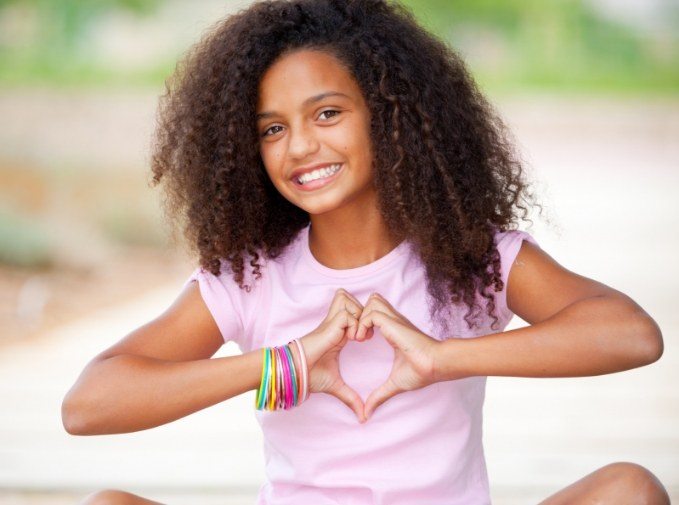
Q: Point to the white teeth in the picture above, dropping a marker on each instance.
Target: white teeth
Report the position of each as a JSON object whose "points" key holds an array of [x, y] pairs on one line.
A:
{"points": [[319, 173]]}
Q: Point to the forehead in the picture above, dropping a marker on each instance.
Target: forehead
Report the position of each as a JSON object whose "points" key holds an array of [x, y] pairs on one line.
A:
{"points": [[300, 74]]}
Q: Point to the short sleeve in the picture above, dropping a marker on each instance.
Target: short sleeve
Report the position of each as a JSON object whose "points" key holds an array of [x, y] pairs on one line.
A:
{"points": [[222, 296], [508, 245]]}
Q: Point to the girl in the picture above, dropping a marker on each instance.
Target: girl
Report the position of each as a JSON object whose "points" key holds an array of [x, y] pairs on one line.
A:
{"points": [[351, 195]]}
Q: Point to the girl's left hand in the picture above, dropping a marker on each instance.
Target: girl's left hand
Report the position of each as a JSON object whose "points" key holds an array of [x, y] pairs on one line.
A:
{"points": [[414, 351]]}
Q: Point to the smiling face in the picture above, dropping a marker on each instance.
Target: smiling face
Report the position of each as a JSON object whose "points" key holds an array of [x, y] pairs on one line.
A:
{"points": [[311, 113]]}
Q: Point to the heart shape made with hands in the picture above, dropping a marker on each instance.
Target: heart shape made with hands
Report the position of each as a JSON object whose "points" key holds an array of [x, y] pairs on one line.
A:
{"points": [[414, 351]]}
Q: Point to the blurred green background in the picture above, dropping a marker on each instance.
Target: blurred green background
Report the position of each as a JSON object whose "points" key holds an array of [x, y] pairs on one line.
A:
{"points": [[574, 45], [565, 45]]}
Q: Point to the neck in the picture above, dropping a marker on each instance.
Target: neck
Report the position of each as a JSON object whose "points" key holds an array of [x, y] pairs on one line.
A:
{"points": [[349, 239]]}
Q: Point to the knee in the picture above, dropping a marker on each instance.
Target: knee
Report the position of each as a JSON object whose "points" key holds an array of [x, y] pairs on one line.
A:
{"points": [[639, 480], [108, 497]]}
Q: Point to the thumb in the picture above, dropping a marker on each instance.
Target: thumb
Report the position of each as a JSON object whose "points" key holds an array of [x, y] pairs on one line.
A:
{"points": [[351, 399], [378, 397]]}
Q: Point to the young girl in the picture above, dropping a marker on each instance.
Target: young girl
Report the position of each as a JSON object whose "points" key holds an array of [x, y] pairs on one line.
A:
{"points": [[351, 197]]}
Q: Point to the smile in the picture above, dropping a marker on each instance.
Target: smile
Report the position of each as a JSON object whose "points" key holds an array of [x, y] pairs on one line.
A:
{"points": [[318, 178]]}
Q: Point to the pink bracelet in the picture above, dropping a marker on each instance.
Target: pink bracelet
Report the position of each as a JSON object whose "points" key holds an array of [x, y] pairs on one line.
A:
{"points": [[279, 379], [286, 380], [305, 374], [291, 380]]}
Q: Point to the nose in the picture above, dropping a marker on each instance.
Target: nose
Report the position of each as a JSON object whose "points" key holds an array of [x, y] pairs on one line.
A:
{"points": [[302, 142]]}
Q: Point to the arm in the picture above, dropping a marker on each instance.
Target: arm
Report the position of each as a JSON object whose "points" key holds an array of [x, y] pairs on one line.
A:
{"points": [[159, 373], [127, 392], [579, 327]]}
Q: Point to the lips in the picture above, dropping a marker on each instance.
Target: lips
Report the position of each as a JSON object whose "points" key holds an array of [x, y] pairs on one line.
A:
{"points": [[318, 183], [310, 168]]}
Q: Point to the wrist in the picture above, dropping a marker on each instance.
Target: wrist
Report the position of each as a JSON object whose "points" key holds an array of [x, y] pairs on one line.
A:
{"points": [[311, 352], [448, 360]]}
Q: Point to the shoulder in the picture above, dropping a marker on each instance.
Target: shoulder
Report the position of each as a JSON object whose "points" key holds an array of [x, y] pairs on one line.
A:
{"points": [[537, 286], [509, 243], [226, 279], [231, 305]]}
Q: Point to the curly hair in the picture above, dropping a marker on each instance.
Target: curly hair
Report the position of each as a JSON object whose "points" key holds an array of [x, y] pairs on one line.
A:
{"points": [[446, 172]]}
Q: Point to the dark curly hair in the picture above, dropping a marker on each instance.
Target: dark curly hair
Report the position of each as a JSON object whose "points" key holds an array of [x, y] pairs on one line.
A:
{"points": [[446, 172]]}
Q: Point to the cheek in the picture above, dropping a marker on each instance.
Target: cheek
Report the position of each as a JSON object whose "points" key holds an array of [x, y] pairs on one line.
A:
{"points": [[271, 159], [357, 146], [353, 141]]}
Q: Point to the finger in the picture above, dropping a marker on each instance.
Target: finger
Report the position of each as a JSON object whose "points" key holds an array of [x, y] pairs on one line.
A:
{"points": [[363, 324], [378, 397], [389, 309], [353, 298], [340, 326], [351, 399], [366, 322], [393, 331], [342, 300], [347, 323], [377, 302], [351, 331], [379, 297]]}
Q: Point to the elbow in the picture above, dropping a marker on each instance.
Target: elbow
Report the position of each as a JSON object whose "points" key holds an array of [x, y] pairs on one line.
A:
{"points": [[655, 351], [72, 418], [81, 407], [651, 340], [69, 421]]}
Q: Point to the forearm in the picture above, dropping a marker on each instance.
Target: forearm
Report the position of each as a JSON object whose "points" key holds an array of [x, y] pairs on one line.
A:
{"points": [[595, 336], [128, 393]]}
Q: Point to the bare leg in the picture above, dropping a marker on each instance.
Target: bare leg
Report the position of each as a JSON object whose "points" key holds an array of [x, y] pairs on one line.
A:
{"points": [[115, 497], [620, 483]]}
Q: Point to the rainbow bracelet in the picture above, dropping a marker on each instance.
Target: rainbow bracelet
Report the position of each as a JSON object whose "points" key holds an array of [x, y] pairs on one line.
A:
{"points": [[282, 387]]}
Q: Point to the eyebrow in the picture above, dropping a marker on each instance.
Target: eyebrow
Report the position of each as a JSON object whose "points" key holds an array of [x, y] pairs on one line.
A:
{"points": [[307, 102]]}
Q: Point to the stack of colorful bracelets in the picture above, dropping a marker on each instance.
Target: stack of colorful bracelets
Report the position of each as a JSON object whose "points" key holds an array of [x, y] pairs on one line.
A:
{"points": [[278, 388]]}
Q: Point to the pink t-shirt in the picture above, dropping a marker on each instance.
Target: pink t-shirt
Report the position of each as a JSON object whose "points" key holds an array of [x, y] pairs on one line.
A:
{"points": [[420, 447]]}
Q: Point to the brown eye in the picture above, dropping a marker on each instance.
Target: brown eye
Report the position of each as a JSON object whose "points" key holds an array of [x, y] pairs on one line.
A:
{"points": [[268, 129], [331, 110]]}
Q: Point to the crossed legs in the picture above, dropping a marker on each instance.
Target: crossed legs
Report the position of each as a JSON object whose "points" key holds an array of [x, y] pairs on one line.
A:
{"points": [[614, 484]]}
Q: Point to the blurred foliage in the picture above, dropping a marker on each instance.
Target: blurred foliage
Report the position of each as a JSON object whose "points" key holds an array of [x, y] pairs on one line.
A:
{"points": [[131, 224], [58, 52], [508, 44], [64, 22], [67, 214], [557, 44], [23, 241]]}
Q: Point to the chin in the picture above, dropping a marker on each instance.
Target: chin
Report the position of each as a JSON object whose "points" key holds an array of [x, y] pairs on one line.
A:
{"points": [[321, 205]]}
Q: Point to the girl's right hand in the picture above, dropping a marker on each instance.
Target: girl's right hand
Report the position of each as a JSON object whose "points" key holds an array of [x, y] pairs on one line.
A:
{"points": [[323, 345]]}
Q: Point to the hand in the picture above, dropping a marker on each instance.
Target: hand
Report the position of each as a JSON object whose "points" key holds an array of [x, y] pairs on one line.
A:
{"points": [[323, 345], [414, 351]]}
